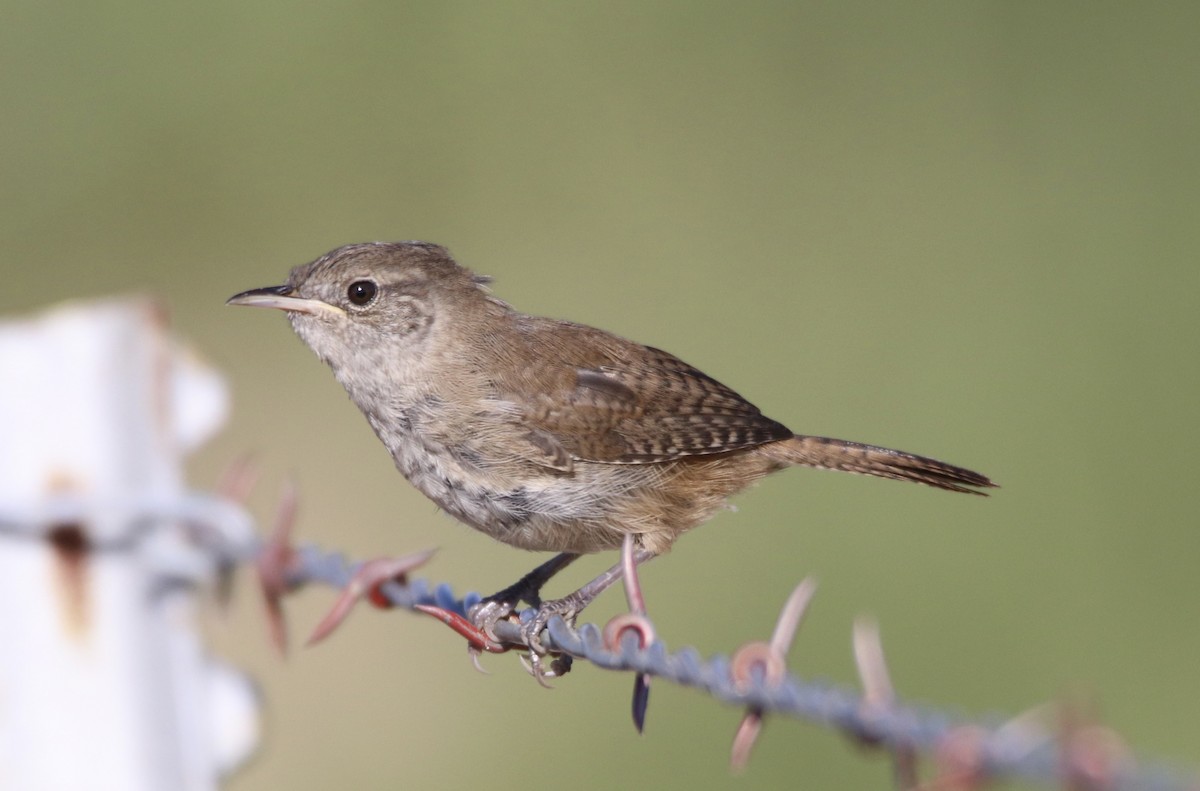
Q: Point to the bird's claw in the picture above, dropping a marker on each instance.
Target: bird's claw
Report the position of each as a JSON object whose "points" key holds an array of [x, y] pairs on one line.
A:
{"points": [[532, 628], [489, 612], [558, 667]]}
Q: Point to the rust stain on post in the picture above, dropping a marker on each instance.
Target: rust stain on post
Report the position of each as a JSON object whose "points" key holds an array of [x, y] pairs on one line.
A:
{"points": [[71, 549]]}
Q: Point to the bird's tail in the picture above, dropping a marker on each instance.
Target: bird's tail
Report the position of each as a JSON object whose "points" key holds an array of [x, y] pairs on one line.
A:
{"points": [[839, 454]]}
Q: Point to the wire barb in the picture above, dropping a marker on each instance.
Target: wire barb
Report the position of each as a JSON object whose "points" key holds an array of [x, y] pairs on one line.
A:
{"points": [[765, 664], [368, 582], [633, 622], [879, 694]]}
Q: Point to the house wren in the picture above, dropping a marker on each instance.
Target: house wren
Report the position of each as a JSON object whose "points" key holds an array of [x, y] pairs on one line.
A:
{"points": [[544, 434]]}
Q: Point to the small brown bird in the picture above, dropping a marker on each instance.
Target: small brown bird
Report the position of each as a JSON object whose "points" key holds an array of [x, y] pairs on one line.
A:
{"points": [[544, 434]]}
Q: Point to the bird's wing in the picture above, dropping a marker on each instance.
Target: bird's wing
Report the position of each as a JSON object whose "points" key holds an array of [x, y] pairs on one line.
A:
{"points": [[586, 395]]}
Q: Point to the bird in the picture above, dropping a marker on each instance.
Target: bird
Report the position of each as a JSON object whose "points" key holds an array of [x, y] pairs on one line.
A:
{"points": [[544, 434]]}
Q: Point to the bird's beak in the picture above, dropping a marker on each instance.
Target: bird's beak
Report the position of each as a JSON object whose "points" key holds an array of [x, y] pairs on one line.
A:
{"points": [[280, 297]]}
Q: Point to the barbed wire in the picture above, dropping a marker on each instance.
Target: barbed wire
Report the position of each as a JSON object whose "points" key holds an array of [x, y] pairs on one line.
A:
{"points": [[1051, 744]]}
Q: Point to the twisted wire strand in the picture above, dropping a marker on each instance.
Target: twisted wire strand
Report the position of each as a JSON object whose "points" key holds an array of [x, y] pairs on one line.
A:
{"points": [[221, 530], [1002, 750]]}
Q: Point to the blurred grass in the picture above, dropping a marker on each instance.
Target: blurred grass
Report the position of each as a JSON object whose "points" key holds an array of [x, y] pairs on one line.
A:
{"points": [[963, 229]]}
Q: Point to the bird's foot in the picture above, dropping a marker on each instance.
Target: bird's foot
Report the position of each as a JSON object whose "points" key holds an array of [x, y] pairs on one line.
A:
{"points": [[503, 604], [490, 611], [531, 629], [544, 663]]}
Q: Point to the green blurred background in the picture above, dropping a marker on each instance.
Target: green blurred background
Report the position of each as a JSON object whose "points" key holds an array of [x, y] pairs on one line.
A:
{"points": [[963, 229]]}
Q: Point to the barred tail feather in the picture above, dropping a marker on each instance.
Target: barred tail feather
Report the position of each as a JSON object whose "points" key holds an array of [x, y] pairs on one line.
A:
{"points": [[839, 454]]}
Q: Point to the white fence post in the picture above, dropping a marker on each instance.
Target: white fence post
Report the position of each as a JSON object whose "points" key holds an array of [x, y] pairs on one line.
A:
{"points": [[104, 683]]}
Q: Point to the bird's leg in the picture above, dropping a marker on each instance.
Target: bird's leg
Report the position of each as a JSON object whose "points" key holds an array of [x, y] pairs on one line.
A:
{"points": [[491, 610], [572, 604]]}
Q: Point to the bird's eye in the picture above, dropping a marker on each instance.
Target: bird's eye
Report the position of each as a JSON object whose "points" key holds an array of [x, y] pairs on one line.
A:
{"points": [[361, 292]]}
